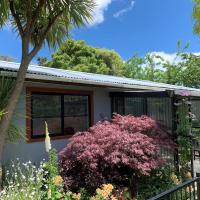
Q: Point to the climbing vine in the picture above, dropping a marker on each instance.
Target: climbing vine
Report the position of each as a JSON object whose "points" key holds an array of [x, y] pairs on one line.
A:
{"points": [[184, 125]]}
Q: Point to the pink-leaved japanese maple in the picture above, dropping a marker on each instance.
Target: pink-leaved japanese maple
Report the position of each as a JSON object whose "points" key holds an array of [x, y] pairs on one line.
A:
{"points": [[116, 152]]}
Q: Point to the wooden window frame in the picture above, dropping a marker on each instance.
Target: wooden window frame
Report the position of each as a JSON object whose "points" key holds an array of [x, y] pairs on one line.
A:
{"points": [[31, 90]]}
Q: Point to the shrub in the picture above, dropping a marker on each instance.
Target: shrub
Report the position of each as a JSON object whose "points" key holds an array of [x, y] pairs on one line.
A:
{"points": [[112, 152], [148, 126], [159, 181]]}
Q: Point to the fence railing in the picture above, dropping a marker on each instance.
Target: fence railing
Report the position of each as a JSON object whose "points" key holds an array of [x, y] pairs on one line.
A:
{"points": [[189, 190]]}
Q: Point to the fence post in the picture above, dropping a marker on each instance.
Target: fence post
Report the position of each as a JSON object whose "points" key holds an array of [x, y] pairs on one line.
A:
{"points": [[198, 187]]}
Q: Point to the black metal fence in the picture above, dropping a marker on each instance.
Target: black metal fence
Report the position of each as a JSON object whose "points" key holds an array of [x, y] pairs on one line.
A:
{"points": [[189, 190]]}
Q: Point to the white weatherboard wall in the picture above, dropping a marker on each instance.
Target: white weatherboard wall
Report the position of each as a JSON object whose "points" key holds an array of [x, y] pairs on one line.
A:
{"points": [[35, 151]]}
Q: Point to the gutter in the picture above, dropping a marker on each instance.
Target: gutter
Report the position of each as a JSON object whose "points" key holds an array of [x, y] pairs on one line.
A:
{"points": [[42, 77]]}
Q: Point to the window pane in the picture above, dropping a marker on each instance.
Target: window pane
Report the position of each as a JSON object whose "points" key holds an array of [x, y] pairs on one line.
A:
{"points": [[47, 108], [195, 109], [160, 110], [135, 106], [46, 105], [54, 126], [118, 105], [76, 113]]}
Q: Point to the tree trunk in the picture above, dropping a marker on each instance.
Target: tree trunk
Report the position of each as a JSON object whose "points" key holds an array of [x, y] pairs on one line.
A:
{"points": [[11, 104], [133, 187]]}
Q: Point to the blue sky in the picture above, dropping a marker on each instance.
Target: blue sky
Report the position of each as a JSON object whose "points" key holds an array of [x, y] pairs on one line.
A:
{"points": [[128, 27]]}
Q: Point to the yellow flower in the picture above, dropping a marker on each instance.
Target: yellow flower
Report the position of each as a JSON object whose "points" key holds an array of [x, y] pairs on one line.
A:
{"points": [[47, 139], [76, 196], [113, 198], [94, 198], [57, 180], [108, 187], [188, 175], [105, 191], [175, 179]]}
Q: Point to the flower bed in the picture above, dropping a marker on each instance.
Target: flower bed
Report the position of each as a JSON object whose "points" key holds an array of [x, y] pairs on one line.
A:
{"points": [[111, 161]]}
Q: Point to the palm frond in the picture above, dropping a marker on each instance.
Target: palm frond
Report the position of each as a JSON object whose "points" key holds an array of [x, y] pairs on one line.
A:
{"points": [[6, 85], [4, 12], [57, 35], [14, 134], [60, 16]]}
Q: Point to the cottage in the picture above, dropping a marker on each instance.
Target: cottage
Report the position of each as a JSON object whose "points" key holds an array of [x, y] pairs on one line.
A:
{"points": [[73, 101]]}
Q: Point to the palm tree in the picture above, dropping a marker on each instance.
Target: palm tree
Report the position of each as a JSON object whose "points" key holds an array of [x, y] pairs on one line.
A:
{"points": [[38, 22]]}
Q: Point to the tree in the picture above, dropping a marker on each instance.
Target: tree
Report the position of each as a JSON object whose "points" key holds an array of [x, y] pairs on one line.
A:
{"points": [[6, 58], [78, 56], [190, 70], [116, 152], [182, 70], [38, 22], [196, 17], [147, 68], [153, 71], [133, 68]]}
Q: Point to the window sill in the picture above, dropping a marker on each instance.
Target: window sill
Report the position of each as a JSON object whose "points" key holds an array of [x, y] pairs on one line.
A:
{"points": [[31, 140]]}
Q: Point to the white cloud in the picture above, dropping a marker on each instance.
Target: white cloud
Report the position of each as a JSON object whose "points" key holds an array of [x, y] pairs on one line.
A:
{"points": [[125, 10], [98, 14], [171, 57]]}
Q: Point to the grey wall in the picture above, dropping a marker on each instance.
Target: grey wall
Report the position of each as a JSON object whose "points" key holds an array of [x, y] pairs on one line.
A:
{"points": [[35, 151]]}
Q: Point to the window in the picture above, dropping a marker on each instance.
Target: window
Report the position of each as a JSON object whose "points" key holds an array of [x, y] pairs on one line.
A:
{"points": [[195, 109], [160, 109], [137, 104], [66, 112]]}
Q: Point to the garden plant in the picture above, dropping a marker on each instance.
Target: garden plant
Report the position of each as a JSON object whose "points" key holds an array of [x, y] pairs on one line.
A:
{"points": [[119, 152], [116, 160]]}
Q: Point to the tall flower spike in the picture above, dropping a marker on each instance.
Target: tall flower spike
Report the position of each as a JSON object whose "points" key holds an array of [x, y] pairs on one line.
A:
{"points": [[47, 138]]}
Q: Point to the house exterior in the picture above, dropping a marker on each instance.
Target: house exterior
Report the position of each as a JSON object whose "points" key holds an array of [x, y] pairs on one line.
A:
{"points": [[72, 101]]}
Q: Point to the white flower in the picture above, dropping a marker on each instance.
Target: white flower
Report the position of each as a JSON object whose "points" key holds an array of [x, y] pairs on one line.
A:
{"points": [[47, 139], [31, 179]]}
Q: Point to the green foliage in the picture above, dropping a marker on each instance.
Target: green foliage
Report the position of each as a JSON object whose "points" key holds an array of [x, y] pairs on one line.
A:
{"points": [[184, 70], [159, 181], [152, 71], [6, 86], [14, 134], [196, 16], [78, 56], [23, 181], [2, 113], [190, 70], [45, 20], [184, 124], [52, 165], [84, 195], [133, 68], [147, 68]]}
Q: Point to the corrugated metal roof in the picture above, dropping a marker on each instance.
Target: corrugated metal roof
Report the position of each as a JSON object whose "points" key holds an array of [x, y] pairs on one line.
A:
{"points": [[46, 73]]}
